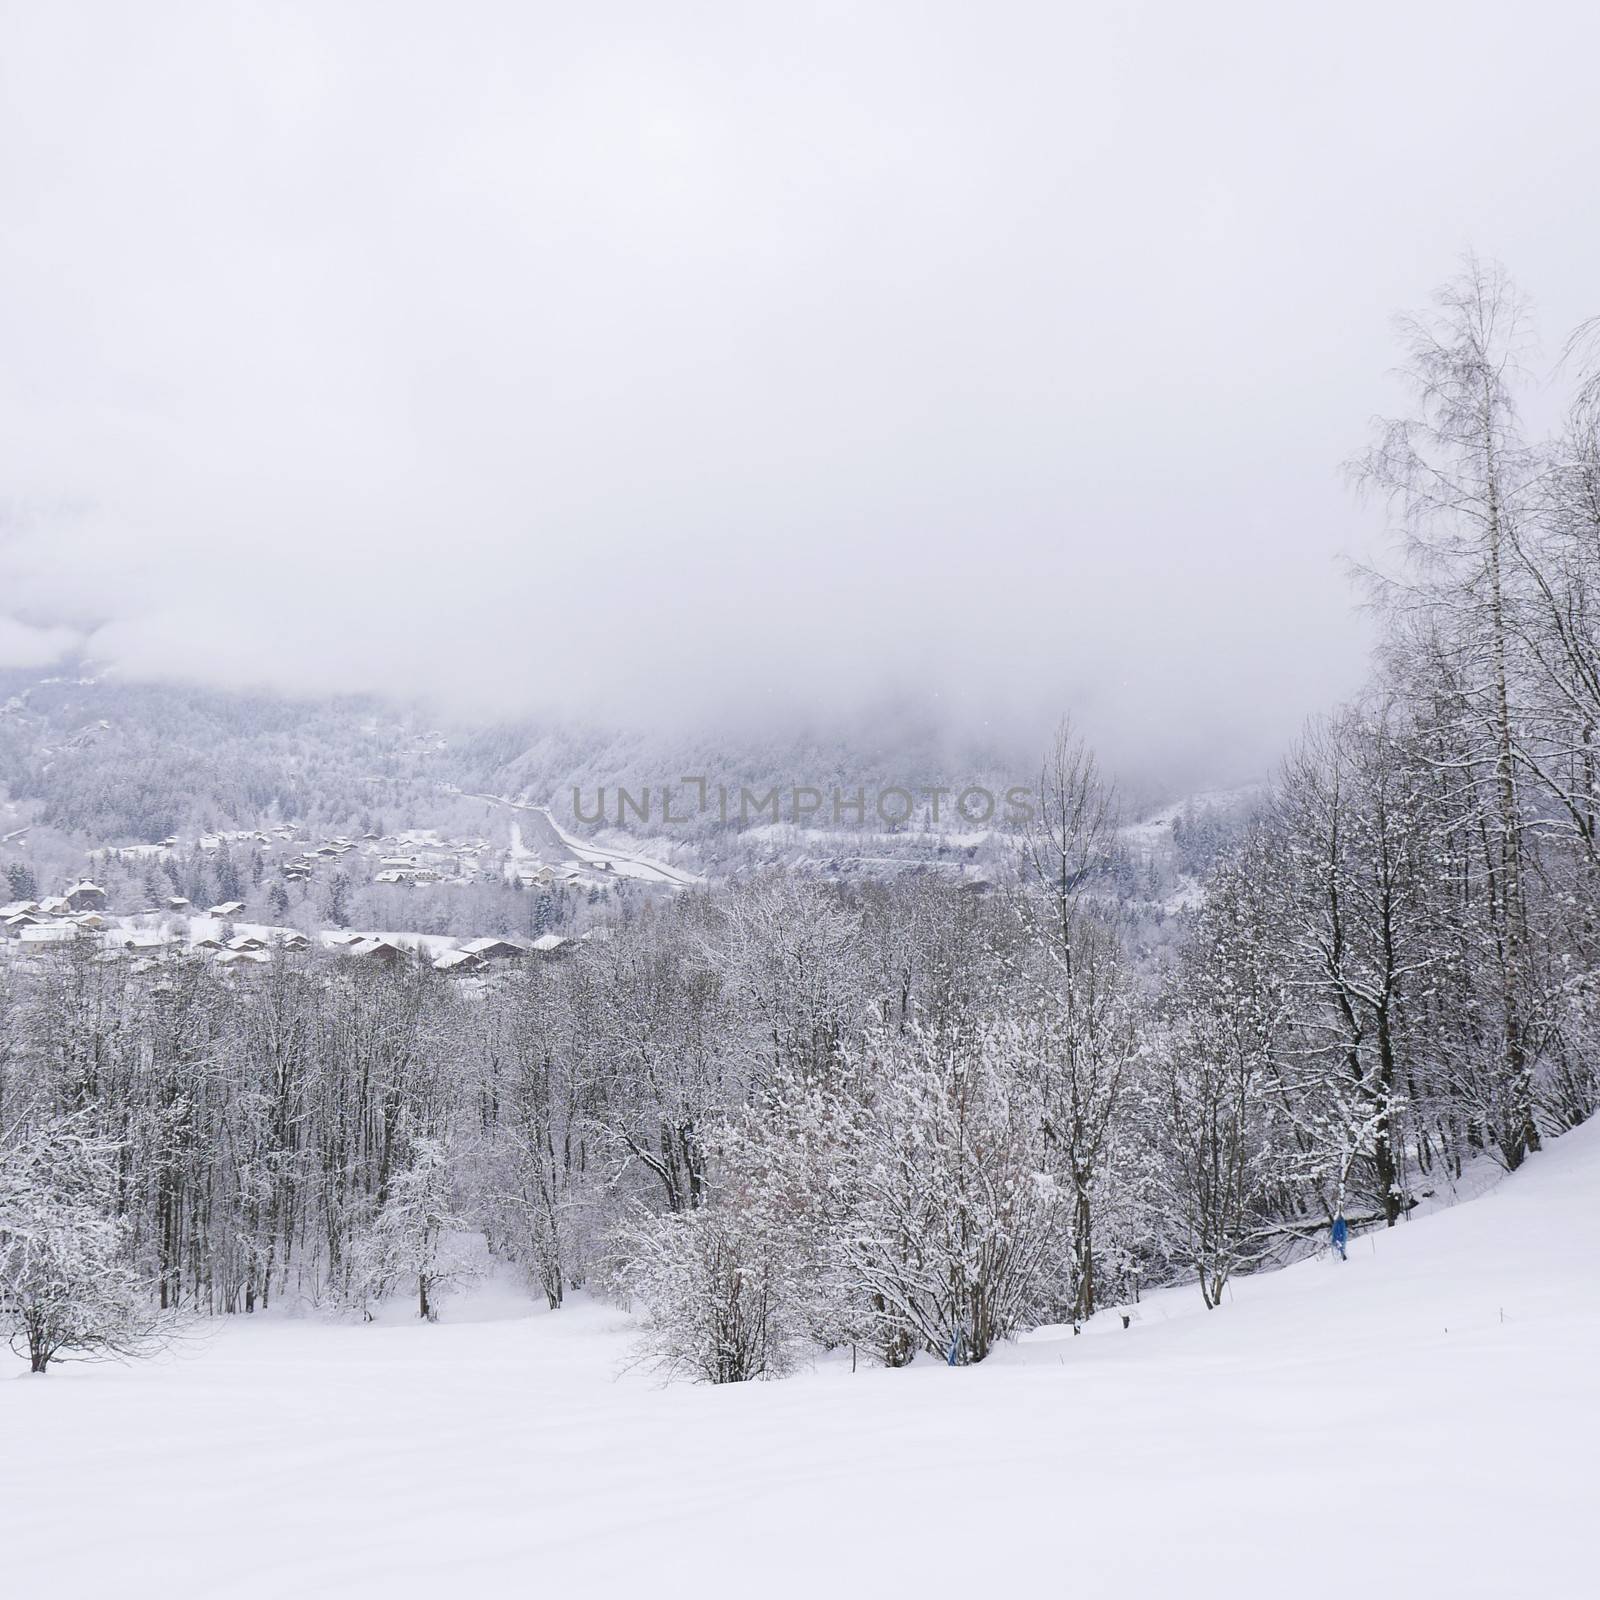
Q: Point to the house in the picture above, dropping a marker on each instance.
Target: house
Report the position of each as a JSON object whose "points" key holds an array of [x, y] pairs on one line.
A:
{"points": [[54, 905], [343, 939], [209, 942], [146, 942], [247, 941], [85, 896], [290, 939], [92, 922], [12, 926], [494, 950], [384, 951], [549, 944], [236, 958], [177, 902], [459, 963], [228, 908], [47, 935], [19, 908]]}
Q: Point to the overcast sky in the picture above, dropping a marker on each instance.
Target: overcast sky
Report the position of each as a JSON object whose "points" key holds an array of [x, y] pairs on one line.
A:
{"points": [[678, 358]]}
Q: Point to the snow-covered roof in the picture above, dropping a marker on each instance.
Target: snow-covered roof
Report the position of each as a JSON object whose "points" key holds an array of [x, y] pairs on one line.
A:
{"points": [[492, 946], [229, 958]]}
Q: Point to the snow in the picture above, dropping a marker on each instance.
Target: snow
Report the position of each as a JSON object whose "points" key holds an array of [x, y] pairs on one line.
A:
{"points": [[1420, 1420]]}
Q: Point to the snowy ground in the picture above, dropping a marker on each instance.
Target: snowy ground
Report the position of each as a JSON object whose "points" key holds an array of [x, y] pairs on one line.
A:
{"points": [[1423, 1420]]}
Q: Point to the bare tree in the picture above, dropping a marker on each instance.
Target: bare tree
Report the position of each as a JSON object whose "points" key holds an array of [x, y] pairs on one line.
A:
{"points": [[1464, 482], [1081, 984]]}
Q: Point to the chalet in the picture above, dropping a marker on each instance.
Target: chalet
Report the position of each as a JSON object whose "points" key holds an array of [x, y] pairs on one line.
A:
{"points": [[149, 941], [459, 963], [92, 922], [290, 939], [54, 905], [384, 951], [47, 935], [237, 958], [85, 896], [228, 908], [12, 926], [247, 941], [209, 942], [550, 944], [494, 950], [19, 908], [177, 902]]}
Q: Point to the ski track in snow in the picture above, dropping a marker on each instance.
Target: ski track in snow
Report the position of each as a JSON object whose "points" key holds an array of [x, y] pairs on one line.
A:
{"points": [[1420, 1420]]}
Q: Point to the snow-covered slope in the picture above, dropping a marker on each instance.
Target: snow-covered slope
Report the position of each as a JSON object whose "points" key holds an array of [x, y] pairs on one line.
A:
{"points": [[1422, 1420]]}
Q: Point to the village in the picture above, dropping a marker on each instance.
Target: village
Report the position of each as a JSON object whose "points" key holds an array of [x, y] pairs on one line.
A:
{"points": [[77, 919], [133, 908]]}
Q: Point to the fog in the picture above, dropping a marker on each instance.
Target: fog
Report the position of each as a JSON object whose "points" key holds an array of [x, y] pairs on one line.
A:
{"points": [[692, 362]]}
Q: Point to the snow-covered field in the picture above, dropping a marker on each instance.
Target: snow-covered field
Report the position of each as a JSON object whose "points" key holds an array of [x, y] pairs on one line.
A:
{"points": [[1423, 1420]]}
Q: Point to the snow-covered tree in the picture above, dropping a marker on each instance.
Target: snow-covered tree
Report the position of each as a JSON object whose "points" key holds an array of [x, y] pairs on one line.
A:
{"points": [[411, 1238], [66, 1290], [718, 1292], [954, 1215]]}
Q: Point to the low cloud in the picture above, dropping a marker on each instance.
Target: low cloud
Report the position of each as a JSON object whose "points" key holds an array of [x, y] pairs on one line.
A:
{"points": [[22, 645], [979, 362]]}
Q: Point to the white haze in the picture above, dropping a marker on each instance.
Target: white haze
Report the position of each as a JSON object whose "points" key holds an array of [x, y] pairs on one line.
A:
{"points": [[696, 361]]}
